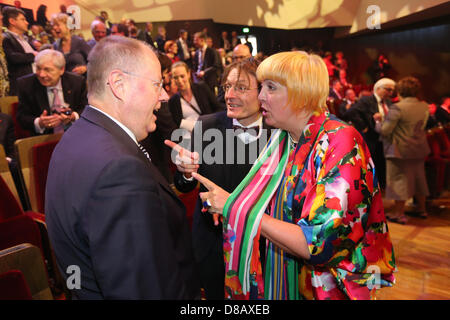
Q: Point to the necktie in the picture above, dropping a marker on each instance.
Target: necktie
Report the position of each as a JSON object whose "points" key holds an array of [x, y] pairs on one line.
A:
{"points": [[254, 131], [385, 108], [55, 106], [144, 151]]}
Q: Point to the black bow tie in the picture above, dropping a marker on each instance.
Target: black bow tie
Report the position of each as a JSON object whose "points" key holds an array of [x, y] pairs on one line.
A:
{"points": [[254, 131]]}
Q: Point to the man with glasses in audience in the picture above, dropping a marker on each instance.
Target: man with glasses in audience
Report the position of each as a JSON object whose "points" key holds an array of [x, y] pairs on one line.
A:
{"points": [[242, 124], [109, 211], [361, 116]]}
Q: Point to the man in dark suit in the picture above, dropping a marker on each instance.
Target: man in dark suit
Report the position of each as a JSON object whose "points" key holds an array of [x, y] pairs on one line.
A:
{"points": [[360, 115], [205, 64], [183, 48], [108, 210], [51, 99], [226, 167], [7, 136], [146, 35], [18, 52]]}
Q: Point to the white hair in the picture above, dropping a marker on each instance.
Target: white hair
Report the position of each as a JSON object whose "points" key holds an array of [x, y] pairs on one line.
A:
{"points": [[49, 54], [382, 82], [96, 23]]}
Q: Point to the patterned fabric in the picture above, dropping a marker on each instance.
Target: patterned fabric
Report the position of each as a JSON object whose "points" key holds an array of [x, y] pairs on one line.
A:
{"points": [[329, 189], [4, 82]]}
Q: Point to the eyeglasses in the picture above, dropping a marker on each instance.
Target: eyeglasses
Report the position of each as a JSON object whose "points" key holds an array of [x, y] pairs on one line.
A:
{"points": [[239, 88], [157, 84], [238, 58], [388, 89]]}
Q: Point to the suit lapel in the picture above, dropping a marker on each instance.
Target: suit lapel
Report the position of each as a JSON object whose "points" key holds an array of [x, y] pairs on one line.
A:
{"points": [[41, 96], [67, 90], [98, 118]]}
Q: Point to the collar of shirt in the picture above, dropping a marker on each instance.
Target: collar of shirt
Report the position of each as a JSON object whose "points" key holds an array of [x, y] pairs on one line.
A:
{"points": [[128, 131], [245, 136], [58, 86], [16, 35]]}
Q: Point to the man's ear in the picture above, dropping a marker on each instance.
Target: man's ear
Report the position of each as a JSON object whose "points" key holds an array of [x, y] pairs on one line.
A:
{"points": [[116, 82]]}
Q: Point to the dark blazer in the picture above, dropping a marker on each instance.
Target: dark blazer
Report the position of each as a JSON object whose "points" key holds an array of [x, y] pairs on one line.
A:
{"points": [[7, 136], [211, 67], [206, 238], [205, 98], [111, 213], [79, 51], [33, 98], [146, 37], [19, 62]]}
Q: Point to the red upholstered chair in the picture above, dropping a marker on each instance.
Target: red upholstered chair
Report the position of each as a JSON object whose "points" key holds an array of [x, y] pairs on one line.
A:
{"points": [[41, 153], [13, 286], [435, 165], [189, 200], [18, 130]]}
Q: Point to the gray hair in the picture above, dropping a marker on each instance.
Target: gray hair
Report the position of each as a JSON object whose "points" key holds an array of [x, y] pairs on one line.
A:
{"points": [[110, 53], [382, 82], [96, 23], [49, 54]]}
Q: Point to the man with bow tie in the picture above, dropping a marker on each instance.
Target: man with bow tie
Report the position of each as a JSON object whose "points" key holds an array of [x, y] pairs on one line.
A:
{"points": [[50, 99], [243, 120]]}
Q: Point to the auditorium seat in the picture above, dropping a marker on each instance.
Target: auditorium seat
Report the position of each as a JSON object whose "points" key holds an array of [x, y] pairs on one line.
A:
{"points": [[24, 151], [26, 258], [19, 132], [6, 104], [13, 286]]}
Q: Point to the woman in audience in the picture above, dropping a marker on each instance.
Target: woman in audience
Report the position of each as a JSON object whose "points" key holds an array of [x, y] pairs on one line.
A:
{"points": [[191, 100], [311, 194], [171, 50], [75, 49], [405, 149]]}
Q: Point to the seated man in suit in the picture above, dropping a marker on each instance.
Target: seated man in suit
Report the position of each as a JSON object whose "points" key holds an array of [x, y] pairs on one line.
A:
{"points": [[108, 209], [50, 99], [18, 52], [250, 134]]}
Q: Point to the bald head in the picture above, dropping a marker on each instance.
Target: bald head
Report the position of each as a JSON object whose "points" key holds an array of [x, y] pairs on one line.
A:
{"points": [[241, 52]]}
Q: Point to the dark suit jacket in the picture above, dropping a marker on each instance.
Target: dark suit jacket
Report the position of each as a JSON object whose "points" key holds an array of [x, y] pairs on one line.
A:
{"points": [[144, 36], [206, 236], [205, 98], [79, 51], [211, 67], [111, 213], [7, 136], [19, 62], [33, 98], [361, 116]]}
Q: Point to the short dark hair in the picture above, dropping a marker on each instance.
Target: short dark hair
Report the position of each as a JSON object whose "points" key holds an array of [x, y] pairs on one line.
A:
{"points": [[247, 66], [121, 28], [408, 87], [11, 12]]}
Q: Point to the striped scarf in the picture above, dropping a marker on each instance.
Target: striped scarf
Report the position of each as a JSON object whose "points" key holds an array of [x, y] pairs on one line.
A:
{"points": [[242, 215]]}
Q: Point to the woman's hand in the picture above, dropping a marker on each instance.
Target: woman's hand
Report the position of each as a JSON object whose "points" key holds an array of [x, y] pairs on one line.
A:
{"points": [[216, 196]]}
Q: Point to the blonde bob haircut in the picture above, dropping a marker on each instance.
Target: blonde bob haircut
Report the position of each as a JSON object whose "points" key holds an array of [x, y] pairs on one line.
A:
{"points": [[305, 76]]}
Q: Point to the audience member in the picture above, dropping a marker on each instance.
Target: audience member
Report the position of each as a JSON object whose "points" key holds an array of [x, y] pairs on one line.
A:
{"points": [[18, 52], [361, 116], [330, 66], [51, 99], [146, 35], [119, 29], [7, 136], [41, 17], [244, 114], [183, 47], [74, 48], [171, 50], [347, 102], [122, 209], [379, 68], [442, 113], [161, 38], [234, 40], [241, 52], [343, 80], [4, 82], [340, 62], [224, 42], [336, 90], [311, 194], [405, 149], [106, 20], [98, 30], [192, 99], [205, 63]]}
